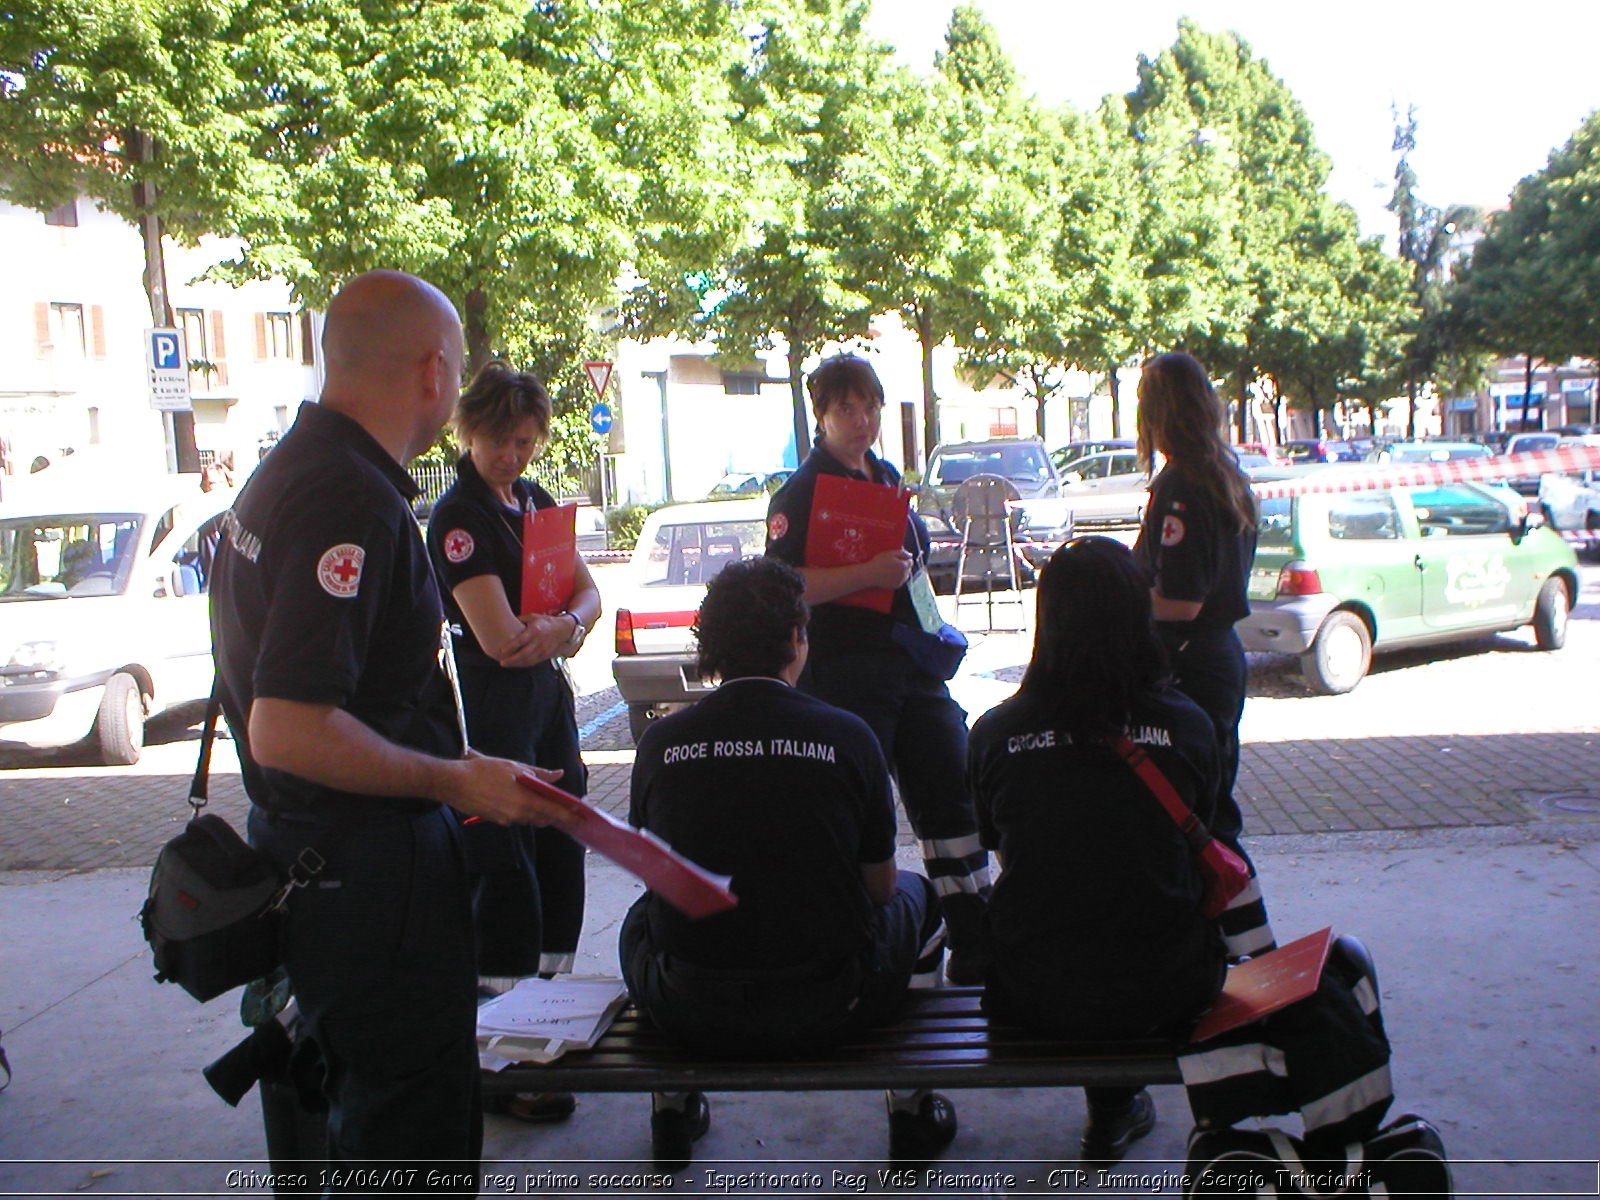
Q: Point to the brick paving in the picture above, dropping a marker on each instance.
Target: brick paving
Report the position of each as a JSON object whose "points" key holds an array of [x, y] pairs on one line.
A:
{"points": [[73, 816], [1518, 747]]}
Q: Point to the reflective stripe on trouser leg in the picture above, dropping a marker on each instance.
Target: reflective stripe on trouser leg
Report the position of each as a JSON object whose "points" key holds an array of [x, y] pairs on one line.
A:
{"points": [[956, 866]]}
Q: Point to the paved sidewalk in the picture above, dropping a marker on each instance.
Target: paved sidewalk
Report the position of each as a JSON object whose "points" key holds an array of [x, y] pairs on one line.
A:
{"points": [[1483, 940]]}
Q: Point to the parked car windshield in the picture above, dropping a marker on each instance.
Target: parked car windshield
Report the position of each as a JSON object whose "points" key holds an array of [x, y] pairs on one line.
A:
{"points": [[692, 552], [78, 555], [1012, 460]]}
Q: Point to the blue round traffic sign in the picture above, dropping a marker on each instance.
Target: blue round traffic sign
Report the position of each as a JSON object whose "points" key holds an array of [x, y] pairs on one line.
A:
{"points": [[600, 418]]}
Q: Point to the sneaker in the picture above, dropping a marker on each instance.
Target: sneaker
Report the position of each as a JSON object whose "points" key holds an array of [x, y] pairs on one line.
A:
{"points": [[1106, 1139], [919, 1136], [674, 1131], [542, 1108]]}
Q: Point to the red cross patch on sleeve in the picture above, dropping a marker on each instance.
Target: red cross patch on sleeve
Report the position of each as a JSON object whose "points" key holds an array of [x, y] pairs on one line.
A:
{"points": [[1171, 530], [777, 525], [339, 570], [458, 545]]}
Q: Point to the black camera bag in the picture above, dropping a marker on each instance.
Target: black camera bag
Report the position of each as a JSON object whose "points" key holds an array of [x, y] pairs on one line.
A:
{"points": [[215, 903], [211, 919]]}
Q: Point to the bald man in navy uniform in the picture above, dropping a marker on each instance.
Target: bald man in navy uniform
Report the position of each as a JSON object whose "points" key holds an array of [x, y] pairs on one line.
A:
{"points": [[333, 674]]}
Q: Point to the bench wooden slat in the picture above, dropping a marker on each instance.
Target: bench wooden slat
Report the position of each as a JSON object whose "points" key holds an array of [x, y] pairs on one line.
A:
{"points": [[941, 1040]]}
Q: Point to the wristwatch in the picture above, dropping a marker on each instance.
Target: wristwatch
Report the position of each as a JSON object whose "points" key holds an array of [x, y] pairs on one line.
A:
{"points": [[579, 631]]}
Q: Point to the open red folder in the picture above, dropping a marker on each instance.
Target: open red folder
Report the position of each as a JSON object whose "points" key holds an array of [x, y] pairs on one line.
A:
{"points": [[1264, 985], [686, 886], [549, 558], [851, 522]]}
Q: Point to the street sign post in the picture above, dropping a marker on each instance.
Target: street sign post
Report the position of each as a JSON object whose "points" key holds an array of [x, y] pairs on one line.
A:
{"points": [[169, 370], [600, 418]]}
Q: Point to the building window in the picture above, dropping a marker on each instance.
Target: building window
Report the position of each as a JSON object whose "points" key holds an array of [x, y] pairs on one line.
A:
{"points": [[1003, 422], [741, 383], [275, 335], [66, 330], [193, 323], [65, 216]]}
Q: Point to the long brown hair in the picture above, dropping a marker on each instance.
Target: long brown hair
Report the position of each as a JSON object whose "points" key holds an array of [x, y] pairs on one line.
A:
{"points": [[1181, 415]]}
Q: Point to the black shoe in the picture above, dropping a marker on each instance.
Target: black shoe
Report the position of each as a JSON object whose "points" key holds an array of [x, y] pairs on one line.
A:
{"points": [[1106, 1139], [919, 1136], [965, 968], [674, 1131]]}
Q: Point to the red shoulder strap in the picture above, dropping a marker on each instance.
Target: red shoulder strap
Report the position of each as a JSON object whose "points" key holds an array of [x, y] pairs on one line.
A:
{"points": [[1182, 815]]}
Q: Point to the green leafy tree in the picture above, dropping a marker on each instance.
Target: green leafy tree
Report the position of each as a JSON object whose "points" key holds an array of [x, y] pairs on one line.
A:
{"points": [[951, 234], [526, 160], [135, 105], [1425, 244], [808, 99]]}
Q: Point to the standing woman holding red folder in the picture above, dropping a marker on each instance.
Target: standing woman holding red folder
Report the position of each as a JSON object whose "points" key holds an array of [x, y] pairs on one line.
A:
{"points": [[883, 665], [528, 885]]}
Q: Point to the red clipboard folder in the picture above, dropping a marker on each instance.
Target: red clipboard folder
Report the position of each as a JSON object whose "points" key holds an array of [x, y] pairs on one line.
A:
{"points": [[549, 558], [690, 888], [851, 522], [1264, 985]]}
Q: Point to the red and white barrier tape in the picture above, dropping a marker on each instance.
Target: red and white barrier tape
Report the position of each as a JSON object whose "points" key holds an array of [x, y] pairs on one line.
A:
{"points": [[1337, 478]]}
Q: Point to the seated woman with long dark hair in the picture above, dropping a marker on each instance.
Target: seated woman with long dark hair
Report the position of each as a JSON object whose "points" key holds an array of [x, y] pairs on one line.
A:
{"points": [[1096, 924]]}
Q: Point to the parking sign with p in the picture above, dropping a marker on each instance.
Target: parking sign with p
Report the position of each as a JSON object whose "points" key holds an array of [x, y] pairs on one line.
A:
{"points": [[169, 370]]}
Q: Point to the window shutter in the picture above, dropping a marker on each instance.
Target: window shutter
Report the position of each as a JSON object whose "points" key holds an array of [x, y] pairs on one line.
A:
{"points": [[261, 337], [97, 330], [219, 350], [41, 328], [308, 340]]}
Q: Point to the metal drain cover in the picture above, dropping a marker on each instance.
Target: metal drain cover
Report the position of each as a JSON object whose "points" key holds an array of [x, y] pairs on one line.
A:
{"points": [[1571, 802]]}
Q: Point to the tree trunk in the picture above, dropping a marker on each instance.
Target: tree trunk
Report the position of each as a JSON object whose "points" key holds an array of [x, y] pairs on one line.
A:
{"points": [[1527, 389], [930, 402], [475, 330], [1411, 410], [186, 454], [797, 393], [1241, 383], [1114, 386]]}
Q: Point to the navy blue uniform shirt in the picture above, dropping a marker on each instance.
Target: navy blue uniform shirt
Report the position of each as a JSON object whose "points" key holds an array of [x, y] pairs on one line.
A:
{"points": [[839, 627], [472, 533], [323, 594], [789, 796], [1193, 552]]}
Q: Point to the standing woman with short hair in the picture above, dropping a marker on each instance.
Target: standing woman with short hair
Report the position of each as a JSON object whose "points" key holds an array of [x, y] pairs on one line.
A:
{"points": [[861, 660], [527, 884], [1198, 540]]}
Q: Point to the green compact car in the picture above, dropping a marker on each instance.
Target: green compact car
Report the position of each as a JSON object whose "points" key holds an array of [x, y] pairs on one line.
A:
{"points": [[1339, 575]]}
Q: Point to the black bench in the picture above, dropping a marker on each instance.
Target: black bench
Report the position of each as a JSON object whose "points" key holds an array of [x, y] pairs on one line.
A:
{"points": [[942, 1040]]}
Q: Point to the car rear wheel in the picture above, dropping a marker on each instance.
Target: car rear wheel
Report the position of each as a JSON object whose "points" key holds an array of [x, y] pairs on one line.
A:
{"points": [[1550, 615], [1339, 655], [119, 727]]}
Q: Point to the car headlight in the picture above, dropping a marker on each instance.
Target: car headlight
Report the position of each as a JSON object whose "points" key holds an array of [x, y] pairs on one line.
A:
{"points": [[34, 660]]}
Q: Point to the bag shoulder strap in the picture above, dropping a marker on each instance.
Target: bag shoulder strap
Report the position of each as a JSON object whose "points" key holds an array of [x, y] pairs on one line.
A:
{"points": [[199, 786], [1161, 787]]}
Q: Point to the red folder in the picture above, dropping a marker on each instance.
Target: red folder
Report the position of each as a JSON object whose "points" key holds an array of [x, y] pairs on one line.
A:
{"points": [[1264, 985], [853, 521], [549, 558], [686, 886]]}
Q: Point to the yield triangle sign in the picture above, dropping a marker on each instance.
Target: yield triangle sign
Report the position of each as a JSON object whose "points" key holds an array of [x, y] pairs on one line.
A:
{"points": [[599, 376]]}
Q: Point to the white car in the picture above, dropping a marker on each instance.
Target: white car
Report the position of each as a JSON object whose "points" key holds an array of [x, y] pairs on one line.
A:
{"points": [[1109, 488], [680, 549], [103, 608]]}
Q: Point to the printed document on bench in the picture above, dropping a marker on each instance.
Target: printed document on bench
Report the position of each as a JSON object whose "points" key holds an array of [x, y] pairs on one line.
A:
{"points": [[539, 1020]]}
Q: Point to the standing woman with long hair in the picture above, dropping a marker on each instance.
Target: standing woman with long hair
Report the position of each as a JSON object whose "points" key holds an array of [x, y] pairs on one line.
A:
{"points": [[1198, 541], [527, 884]]}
